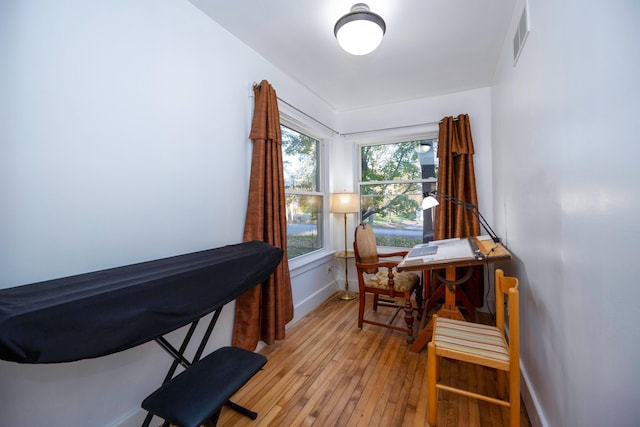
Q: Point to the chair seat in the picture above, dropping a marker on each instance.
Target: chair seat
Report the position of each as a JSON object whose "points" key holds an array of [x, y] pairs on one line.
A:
{"points": [[471, 338], [403, 281]]}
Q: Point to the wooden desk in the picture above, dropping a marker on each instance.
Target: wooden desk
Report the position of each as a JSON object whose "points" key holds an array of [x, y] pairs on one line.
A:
{"points": [[492, 252]]}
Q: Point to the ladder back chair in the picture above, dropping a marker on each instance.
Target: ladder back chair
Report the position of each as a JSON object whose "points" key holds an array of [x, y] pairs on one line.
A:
{"points": [[482, 345], [380, 278]]}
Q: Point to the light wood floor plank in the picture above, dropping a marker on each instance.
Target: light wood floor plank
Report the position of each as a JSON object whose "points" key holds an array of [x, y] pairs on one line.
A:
{"points": [[328, 373]]}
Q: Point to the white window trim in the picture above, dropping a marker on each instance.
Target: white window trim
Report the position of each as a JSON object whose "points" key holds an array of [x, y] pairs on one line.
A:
{"points": [[394, 135], [293, 119]]}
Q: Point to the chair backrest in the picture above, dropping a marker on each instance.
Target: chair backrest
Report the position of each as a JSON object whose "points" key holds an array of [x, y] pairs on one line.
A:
{"points": [[365, 247], [509, 286]]}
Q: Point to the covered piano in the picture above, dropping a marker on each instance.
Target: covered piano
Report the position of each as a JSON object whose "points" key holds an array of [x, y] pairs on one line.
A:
{"points": [[103, 312]]}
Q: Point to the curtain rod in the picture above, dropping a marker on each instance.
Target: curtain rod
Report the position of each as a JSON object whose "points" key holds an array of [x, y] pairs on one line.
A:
{"points": [[302, 112], [255, 84], [389, 128], [308, 116], [455, 119]]}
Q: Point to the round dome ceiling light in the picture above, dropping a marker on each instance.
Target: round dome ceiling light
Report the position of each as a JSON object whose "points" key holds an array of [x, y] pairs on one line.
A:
{"points": [[360, 31]]}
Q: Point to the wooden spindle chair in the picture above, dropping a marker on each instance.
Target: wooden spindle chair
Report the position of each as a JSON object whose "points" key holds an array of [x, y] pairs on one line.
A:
{"points": [[483, 345]]}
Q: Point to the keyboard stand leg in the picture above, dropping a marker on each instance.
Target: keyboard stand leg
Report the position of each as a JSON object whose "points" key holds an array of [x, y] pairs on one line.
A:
{"points": [[241, 409]]}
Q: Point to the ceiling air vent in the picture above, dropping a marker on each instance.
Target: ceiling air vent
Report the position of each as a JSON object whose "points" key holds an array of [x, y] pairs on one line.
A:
{"points": [[522, 31]]}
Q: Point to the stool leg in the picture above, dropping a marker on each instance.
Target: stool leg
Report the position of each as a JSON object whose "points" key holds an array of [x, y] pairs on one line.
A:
{"points": [[213, 420], [241, 409]]}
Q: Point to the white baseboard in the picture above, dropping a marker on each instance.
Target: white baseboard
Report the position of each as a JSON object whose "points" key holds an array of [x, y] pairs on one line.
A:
{"points": [[307, 305], [531, 402]]}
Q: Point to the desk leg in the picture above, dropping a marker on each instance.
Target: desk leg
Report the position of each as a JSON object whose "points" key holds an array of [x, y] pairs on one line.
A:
{"points": [[435, 297], [448, 310]]}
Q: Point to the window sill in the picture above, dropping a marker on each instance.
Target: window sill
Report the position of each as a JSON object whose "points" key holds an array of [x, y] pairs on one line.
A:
{"points": [[307, 262]]}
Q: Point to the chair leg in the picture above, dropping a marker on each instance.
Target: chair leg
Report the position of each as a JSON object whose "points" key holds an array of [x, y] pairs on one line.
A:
{"points": [[435, 297], [514, 398], [432, 392], [408, 318], [437, 377], [361, 309], [375, 302], [500, 384], [419, 301]]}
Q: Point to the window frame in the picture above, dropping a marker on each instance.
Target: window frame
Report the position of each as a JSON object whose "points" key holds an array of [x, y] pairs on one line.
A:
{"points": [[392, 136], [298, 122]]}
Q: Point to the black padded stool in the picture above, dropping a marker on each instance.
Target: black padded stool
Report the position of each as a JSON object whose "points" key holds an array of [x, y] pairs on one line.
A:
{"points": [[196, 395]]}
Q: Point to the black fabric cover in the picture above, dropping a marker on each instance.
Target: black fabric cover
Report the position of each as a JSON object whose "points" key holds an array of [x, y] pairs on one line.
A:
{"points": [[103, 312], [193, 396]]}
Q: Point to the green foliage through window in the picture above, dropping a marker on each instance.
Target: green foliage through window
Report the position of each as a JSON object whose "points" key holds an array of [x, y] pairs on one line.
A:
{"points": [[300, 159], [304, 200], [393, 179]]}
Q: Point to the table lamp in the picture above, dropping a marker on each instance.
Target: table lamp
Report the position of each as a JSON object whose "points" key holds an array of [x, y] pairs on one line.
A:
{"points": [[345, 203], [430, 201]]}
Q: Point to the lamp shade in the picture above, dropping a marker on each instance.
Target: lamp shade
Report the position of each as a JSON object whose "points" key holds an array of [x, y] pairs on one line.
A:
{"points": [[360, 31], [429, 202], [344, 203]]}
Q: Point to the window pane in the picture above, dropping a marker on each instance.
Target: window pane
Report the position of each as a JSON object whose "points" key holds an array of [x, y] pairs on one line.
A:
{"points": [[304, 224], [394, 209], [300, 160]]}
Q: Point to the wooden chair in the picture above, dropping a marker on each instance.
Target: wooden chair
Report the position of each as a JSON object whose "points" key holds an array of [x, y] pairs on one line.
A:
{"points": [[483, 345], [380, 278]]}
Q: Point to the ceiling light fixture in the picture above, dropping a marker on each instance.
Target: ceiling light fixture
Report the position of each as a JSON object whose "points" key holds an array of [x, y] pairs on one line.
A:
{"points": [[360, 31]]}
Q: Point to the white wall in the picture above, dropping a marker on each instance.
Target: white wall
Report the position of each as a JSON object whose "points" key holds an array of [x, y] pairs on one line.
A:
{"points": [[123, 138], [566, 196]]}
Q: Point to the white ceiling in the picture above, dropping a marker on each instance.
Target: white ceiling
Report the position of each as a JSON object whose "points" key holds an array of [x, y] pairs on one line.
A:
{"points": [[431, 47]]}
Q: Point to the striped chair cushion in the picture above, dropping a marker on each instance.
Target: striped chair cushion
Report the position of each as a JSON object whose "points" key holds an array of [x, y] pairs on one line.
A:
{"points": [[403, 281], [473, 338]]}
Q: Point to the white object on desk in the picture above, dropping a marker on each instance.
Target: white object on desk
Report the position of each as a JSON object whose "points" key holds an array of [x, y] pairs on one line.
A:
{"points": [[419, 251], [447, 248]]}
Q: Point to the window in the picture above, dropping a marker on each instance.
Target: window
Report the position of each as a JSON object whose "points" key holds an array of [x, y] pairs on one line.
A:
{"points": [[393, 179], [302, 184]]}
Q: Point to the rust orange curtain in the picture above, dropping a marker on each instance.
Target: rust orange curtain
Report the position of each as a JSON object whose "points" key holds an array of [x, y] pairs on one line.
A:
{"points": [[456, 177], [263, 312]]}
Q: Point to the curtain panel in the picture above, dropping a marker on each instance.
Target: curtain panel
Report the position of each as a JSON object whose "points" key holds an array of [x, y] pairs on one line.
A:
{"points": [[456, 178], [262, 312]]}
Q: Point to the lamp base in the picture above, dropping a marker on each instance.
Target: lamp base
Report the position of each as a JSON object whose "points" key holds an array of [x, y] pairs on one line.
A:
{"points": [[346, 295]]}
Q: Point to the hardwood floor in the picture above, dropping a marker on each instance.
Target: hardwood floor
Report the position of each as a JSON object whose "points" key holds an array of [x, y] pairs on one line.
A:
{"points": [[329, 373]]}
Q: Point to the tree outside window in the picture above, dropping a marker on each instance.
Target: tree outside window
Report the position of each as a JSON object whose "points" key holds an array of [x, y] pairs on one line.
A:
{"points": [[301, 163]]}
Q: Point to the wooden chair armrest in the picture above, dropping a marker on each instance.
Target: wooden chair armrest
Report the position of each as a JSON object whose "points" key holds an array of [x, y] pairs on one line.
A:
{"points": [[368, 266], [392, 254]]}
